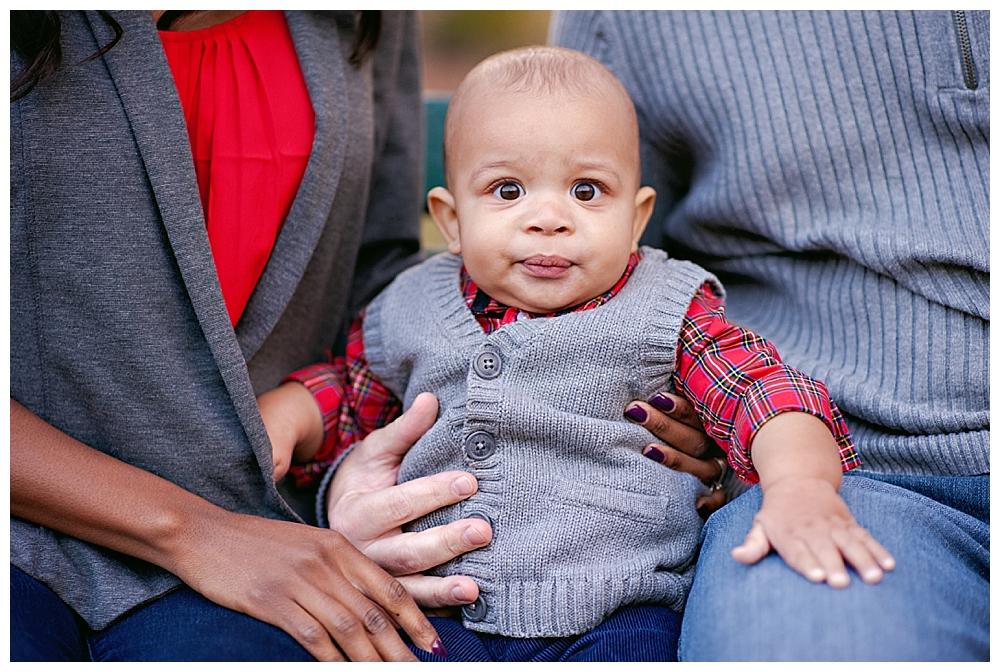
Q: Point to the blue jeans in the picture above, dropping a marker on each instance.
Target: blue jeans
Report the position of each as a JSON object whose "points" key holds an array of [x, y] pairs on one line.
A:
{"points": [[181, 625], [633, 633], [934, 606]]}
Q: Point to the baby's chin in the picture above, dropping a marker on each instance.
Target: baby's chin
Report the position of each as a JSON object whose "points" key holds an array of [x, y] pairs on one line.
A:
{"points": [[546, 307]]}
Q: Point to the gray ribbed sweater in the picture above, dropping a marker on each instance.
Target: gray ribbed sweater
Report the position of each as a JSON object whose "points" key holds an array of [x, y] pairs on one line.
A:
{"points": [[832, 169], [582, 522]]}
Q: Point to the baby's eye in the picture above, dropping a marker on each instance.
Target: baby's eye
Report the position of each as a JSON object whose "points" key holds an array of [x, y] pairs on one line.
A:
{"points": [[586, 191], [509, 191]]}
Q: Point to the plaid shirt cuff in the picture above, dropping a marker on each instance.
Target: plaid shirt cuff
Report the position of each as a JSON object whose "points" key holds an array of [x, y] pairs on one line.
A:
{"points": [[782, 391], [327, 384]]}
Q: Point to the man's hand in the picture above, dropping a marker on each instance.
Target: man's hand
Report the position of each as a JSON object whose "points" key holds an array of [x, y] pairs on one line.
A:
{"points": [[369, 509]]}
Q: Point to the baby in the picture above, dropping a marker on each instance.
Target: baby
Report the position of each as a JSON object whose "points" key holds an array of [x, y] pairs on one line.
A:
{"points": [[541, 324]]}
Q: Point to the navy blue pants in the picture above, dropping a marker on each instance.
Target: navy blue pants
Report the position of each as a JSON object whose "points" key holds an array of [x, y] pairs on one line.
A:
{"points": [[183, 625], [634, 634]]}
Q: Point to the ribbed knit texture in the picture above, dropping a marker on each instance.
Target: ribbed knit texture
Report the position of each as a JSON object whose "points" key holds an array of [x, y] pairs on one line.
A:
{"points": [[832, 169], [582, 522]]}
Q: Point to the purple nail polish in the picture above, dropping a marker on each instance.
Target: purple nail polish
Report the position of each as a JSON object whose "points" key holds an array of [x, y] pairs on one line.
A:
{"points": [[636, 414], [437, 648], [654, 453], [662, 402]]}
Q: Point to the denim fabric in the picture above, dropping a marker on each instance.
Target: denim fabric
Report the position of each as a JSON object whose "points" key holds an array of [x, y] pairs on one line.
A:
{"points": [[181, 625], [934, 606], [636, 633]]}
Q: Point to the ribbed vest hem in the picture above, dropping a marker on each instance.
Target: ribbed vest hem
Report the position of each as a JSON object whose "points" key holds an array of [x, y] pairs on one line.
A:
{"points": [[573, 605]]}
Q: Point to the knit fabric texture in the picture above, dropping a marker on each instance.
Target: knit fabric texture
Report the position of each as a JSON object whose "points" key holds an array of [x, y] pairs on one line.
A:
{"points": [[582, 522], [832, 169]]}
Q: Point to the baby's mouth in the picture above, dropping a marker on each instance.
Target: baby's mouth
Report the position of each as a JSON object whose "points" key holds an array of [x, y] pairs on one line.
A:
{"points": [[546, 266]]}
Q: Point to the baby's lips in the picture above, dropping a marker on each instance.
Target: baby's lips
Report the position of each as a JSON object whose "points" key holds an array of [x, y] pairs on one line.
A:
{"points": [[546, 265], [547, 260]]}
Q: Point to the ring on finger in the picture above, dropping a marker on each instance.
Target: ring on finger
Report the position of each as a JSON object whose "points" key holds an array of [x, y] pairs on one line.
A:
{"points": [[717, 483]]}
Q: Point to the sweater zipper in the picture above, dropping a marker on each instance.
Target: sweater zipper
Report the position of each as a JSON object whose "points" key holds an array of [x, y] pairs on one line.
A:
{"points": [[965, 51]]}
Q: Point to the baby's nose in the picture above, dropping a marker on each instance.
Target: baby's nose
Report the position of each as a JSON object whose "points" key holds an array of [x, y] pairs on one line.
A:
{"points": [[550, 218]]}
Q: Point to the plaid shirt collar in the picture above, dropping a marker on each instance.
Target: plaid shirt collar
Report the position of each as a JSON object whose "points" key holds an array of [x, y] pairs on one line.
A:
{"points": [[492, 314]]}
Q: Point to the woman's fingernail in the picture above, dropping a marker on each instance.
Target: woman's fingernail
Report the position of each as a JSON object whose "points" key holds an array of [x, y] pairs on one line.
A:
{"points": [[636, 414], [437, 648], [662, 402], [654, 453]]}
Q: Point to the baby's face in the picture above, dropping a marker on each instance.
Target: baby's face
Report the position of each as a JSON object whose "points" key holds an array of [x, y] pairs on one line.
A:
{"points": [[546, 196]]}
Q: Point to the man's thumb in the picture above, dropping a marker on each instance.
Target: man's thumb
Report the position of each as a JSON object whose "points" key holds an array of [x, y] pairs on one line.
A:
{"points": [[399, 436]]}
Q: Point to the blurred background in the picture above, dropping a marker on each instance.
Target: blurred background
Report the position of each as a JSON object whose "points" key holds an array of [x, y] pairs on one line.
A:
{"points": [[453, 42]]}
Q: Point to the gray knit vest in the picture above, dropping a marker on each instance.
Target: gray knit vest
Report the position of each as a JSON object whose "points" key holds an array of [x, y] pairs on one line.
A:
{"points": [[582, 522]]}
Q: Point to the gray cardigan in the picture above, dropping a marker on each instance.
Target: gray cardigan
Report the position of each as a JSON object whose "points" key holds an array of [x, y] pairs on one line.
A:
{"points": [[119, 332], [832, 168], [582, 522]]}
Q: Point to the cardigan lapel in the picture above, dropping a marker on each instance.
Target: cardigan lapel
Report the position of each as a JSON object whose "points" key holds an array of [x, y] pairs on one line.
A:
{"points": [[144, 83], [318, 48]]}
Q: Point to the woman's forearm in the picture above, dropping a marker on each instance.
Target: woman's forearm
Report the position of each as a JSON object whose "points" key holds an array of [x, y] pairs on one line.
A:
{"points": [[68, 486], [302, 579]]}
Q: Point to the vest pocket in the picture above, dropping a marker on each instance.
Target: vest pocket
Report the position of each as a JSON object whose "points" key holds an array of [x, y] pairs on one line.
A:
{"points": [[591, 500]]}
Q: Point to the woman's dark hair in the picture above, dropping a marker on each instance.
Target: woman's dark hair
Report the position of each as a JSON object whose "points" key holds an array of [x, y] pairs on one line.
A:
{"points": [[34, 35]]}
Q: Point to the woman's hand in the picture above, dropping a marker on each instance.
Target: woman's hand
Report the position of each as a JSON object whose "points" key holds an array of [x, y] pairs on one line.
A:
{"points": [[369, 509], [311, 583], [686, 447]]}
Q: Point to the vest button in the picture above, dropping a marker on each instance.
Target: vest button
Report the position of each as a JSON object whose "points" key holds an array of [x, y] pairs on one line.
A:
{"points": [[487, 364], [476, 611], [481, 516], [480, 445]]}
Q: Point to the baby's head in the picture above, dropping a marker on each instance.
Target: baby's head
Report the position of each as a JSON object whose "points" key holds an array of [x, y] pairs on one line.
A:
{"points": [[542, 164]]}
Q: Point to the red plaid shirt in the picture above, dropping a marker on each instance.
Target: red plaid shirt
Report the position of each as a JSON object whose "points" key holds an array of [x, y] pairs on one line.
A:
{"points": [[734, 379]]}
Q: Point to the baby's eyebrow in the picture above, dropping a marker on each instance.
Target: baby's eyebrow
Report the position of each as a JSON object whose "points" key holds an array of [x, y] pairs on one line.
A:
{"points": [[597, 166], [490, 166]]}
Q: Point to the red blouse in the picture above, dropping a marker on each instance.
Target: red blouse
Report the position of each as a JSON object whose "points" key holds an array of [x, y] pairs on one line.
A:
{"points": [[251, 127]]}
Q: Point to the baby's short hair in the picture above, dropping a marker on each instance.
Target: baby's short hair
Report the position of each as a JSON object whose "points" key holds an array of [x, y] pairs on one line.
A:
{"points": [[544, 70]]}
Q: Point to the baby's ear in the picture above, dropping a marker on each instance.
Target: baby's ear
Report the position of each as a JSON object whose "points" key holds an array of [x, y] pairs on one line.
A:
{"points": [[441, 205], [645, 199]]}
